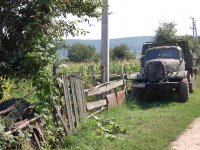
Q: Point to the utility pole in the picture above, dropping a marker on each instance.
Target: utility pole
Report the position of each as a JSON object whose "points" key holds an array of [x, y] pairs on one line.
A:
{"points": [[105, 42], [194, 29]]}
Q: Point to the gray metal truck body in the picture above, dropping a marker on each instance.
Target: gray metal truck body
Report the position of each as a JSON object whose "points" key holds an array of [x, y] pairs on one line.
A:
{"points": [[166, 66]]}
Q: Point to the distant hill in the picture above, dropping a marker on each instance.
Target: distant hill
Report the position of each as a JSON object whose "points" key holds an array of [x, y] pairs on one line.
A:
{"points": [[134, 43]]}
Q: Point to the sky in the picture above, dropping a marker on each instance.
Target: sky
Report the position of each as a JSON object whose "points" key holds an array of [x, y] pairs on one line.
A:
{"points": [[130, 18]]}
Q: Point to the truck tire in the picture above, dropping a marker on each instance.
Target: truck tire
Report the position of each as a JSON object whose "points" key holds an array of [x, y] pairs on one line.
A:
{"points": [[183, 90], [192, 85], [138, 93]]}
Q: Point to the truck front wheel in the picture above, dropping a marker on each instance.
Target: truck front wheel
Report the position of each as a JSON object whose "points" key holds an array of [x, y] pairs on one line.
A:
{"points": [[183, 90]]}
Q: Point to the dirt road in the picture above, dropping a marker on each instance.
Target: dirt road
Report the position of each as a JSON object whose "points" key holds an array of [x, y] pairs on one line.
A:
{"points": [[190, 139]]}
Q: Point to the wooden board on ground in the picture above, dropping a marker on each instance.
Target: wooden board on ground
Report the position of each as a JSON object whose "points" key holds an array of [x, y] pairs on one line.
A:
{"points": [[121, 97], [115, 99]]}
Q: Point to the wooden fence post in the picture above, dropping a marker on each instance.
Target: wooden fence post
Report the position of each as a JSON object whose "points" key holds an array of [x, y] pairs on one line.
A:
{"points": [[93, 76], [122, 77]]}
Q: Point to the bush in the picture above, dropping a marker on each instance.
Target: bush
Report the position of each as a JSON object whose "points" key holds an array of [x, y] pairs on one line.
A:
{"points": [[81, 53], [121, 52]]}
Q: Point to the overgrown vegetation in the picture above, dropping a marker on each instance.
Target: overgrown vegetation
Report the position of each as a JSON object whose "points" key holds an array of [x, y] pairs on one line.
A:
{"points": [[194, 45], [5, 88], [30, 34], [149, 125], [42, 92]]}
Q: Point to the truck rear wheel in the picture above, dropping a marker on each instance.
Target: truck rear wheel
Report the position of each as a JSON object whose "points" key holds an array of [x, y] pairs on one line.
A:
{"points": [[183, 90]]}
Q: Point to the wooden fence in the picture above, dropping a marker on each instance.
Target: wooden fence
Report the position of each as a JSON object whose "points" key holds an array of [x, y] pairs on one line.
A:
{"points": [[112, 96], [76, 109], [19, 114]]}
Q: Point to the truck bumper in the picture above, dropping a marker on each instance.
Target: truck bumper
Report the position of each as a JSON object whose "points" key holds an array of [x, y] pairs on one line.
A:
{"points": [[155, 85]]}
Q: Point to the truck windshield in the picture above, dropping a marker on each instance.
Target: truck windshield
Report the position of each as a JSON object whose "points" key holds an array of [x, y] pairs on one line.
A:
{"points": [[162, 53]]}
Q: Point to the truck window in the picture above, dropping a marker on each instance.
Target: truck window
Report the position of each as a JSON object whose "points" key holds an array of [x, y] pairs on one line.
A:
{"points": [[172, 53], [152, 54]]}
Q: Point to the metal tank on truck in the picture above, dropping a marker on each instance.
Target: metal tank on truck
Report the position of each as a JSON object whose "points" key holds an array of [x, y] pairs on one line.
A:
{"points": [[166, 66]]}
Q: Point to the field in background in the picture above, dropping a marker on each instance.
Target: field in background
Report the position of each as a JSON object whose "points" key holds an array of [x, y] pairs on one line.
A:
{"points": [[85, 69], [138, 125], [24, 87]]}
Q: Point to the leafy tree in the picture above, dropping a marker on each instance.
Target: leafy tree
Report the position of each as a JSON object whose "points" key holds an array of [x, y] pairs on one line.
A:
{"points": [[165, 32], [28, 29], [30, 34], [121, 52], [81, 53]]}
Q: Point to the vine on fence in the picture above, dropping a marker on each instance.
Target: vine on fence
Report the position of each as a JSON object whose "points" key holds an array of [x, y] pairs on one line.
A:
{"points": [[47, 92]]}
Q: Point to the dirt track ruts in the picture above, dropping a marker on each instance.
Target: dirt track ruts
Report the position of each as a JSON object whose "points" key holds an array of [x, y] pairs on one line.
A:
{"points": [[190, 139]]}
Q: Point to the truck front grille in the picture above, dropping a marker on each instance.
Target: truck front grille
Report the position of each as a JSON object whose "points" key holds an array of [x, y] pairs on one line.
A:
{"points": [[154, 72]]}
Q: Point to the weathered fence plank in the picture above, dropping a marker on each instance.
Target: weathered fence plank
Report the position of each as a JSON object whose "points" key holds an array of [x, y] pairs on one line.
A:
{"points": [[73, 89], [68, 102], [104, 88], [121, 96], [63, 121], [112, 100], [115, 99], [83, 97], [78, 96], [96, 104]]}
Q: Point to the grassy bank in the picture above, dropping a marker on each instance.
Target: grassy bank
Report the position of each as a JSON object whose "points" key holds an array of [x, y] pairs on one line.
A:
{"points": [[148, 125]]}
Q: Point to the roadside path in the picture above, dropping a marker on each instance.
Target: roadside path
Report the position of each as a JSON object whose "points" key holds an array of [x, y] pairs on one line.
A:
{"points": [[190, 139]]}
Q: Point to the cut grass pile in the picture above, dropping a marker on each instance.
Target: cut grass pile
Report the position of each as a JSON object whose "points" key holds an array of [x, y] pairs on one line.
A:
{"points": [[147, 125]]}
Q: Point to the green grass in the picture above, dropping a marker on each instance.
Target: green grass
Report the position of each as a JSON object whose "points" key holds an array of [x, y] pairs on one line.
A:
{"points": [[149, 125]]}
